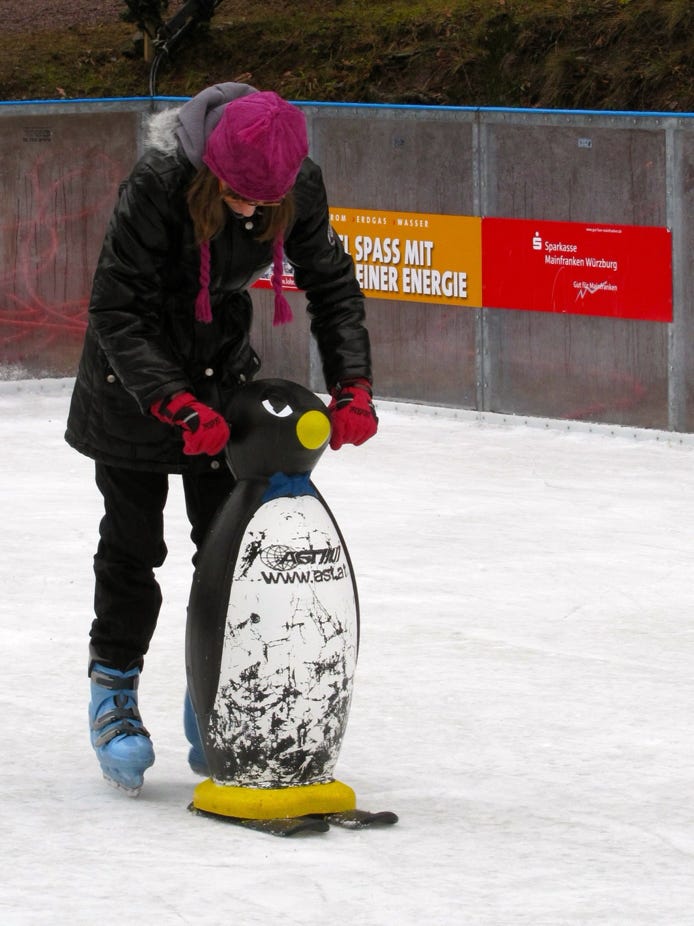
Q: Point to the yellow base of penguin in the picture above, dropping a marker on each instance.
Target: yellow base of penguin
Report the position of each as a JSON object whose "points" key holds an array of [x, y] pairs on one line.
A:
{"points": [[273, 803]]}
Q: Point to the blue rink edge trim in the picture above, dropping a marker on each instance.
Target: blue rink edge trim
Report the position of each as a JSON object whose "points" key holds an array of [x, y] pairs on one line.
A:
{"points": [[383, 106], [104, 99]]}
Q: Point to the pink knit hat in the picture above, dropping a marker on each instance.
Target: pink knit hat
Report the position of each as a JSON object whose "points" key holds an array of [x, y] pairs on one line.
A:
{"points": [[257, 148]]}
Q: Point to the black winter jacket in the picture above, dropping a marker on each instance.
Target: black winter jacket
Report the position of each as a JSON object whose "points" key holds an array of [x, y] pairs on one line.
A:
{"points": [[142, 341]]}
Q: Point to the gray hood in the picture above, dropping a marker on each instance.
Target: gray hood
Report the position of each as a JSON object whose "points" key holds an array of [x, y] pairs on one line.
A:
{"points": [[191, 124]]}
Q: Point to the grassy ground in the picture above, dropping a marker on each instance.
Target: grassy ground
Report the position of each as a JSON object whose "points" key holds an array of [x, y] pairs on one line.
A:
{"points": [[601, 54]]}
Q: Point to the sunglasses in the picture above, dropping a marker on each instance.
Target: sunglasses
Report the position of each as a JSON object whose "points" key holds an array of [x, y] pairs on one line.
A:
{"points": [[228, 194]]}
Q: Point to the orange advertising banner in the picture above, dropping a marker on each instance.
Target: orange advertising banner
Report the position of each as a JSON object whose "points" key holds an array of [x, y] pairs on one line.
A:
{"points": [[414, 256], [410, 256]]}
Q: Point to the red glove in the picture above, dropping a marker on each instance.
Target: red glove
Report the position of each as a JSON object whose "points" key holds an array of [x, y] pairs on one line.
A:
{"points": [[352, 414], [204, 429]]}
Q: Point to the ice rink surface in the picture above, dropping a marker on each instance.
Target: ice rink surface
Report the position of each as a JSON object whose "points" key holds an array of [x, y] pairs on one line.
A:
{"points": [[524, 697]]}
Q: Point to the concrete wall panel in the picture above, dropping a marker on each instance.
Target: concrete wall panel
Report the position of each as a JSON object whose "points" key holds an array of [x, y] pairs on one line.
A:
{"points": [[58, 183], [414, 161], [682, 334], [396, 159], [541, 170], [570, 366], [574, 367]]}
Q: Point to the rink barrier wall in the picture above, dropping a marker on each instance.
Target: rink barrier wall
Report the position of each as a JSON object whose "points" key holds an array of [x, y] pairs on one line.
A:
{"points": [[49, 387], [63, 162]]}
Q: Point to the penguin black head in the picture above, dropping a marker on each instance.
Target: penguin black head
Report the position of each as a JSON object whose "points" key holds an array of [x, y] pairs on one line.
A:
{"points": [[276, 427]]}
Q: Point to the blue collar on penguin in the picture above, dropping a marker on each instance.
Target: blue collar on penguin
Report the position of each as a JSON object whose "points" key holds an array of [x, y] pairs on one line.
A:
{"points": [[280, 485]]}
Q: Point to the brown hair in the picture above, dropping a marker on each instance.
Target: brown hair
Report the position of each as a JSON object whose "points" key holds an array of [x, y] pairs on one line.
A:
{"points": [[208, 211]]}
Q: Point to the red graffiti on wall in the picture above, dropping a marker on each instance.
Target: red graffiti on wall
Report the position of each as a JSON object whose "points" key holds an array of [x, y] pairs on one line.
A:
{"points": [[49, 243]]}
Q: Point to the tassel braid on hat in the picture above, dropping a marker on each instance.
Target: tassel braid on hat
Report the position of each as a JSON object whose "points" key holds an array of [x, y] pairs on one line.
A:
{"points": [[257, 149]]}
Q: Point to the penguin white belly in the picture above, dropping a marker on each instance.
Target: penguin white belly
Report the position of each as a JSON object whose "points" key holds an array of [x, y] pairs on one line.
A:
{"points": [[289, 650]]}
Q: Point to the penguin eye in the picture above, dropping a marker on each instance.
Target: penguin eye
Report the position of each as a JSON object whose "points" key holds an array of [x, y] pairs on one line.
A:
{"points": [[277, 407]]}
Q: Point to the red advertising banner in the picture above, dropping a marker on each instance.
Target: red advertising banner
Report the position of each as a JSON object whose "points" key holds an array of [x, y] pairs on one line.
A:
{"points": [[619, 271]]}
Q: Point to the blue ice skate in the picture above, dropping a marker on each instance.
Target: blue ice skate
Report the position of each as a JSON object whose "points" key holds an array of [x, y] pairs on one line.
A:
{"points": [[120, 740], [196, 756]]}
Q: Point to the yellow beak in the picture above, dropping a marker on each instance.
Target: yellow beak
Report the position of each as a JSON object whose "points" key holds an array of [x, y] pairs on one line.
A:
{"points": [[313, 429]]}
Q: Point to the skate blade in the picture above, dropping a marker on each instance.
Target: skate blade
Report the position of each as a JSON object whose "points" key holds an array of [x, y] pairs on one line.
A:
{"points": [[119, 786]]}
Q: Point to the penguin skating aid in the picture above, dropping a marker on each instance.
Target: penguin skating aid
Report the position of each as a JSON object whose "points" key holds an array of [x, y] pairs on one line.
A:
{"points": [[273, 627]]}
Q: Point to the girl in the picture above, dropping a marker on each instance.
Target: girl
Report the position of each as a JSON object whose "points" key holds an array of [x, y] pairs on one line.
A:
{"points": [[223, 189]]}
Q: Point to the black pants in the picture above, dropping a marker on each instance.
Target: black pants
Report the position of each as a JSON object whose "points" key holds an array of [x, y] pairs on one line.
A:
{"points": [[127, 597]]}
